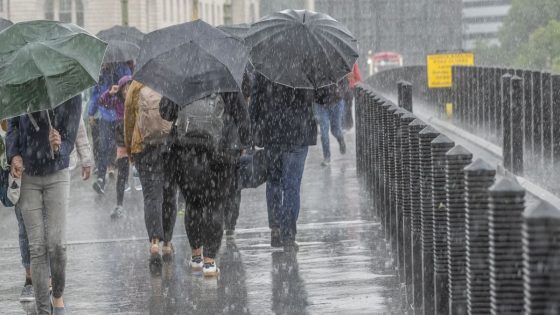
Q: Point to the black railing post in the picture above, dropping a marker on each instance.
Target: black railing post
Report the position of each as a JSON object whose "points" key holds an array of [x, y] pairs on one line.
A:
{"points": [[406, 89], [397, 175], [427, 135], [507, 203], [547, 119], [390, 175], [528, 111], [517, 156], [506, 120], [388, 111], [415, 205], [537, 117], [359, 93], [479, 177], [440, 146], [541, 259], [404, 187], [456, 160], [493, 98], [399, 93], [479, 100]]}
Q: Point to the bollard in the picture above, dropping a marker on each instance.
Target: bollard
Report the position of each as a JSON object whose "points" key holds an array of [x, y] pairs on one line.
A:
{"points": [[556, 120], [456, 160], [397, 192], [537, 116], [516, 122], [479, 177], [506, 120], [546, 120], [404, 195], [528, 111], [507, 202], [414, 141], [440, 146], [541, 265], [426, 136]]}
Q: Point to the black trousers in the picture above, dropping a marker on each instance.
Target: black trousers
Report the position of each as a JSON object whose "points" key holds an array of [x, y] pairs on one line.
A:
{"points": [[207, 187]]}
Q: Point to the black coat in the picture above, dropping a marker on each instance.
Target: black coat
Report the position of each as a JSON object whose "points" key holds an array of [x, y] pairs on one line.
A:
{"points": [[281, 115]]}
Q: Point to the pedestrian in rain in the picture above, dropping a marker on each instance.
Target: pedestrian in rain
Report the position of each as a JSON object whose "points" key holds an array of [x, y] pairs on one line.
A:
{"points": [[329, 110], [145, 139], [39, 147], [284, 124], [114, 99], [353, 78], [102, 121], [209, 164]]}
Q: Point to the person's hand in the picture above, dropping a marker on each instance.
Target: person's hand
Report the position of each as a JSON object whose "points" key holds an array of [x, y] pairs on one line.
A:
{"points": [[86, 172], [114, 90], [54, 139], [16, 167]]}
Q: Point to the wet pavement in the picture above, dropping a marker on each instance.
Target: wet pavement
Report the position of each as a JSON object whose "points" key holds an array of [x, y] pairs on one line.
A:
{"points": [[343, 265]]}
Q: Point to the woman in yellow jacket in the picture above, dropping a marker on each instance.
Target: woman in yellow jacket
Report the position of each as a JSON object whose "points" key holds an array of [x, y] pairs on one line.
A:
{"points": [[145, 136]]}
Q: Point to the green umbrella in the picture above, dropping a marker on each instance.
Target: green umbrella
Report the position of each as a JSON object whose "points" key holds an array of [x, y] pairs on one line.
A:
{"points": [[45, 63]]}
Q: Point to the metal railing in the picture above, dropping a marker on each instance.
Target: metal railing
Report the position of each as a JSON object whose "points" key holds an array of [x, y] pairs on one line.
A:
{"points": [[462, 238]]}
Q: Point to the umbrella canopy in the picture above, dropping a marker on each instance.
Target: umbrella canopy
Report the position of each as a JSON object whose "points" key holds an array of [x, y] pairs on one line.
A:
{"points": [[302, 49], [5, 23], [124, 43], [45, 63], [236, 30], [122, 33], [189, 61]]}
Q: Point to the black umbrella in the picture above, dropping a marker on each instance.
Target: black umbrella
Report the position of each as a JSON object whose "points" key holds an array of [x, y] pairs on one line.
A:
{"points": [[237, 30], [122, 33], [302, 49], [124, 43], [5, 23], [188, 61]]}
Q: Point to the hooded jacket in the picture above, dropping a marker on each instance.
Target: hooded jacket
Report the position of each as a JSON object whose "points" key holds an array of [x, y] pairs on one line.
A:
{"points": [[282, 115], [109, 75], [29, 138]]}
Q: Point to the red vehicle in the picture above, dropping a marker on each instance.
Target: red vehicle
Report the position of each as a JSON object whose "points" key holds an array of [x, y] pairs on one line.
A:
{"points": [[383, 61]]}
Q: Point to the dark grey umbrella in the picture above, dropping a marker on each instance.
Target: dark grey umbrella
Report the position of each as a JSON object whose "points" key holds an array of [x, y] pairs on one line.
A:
{"points": [[122, 33], [237, 30], [302, 49], [5, 23], [124, 43], [188, 61]]}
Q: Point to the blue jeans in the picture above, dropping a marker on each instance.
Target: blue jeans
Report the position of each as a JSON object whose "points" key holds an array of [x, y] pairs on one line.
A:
{"points": [[23, 240], [330, 116], [106, 146], [285, 170]]}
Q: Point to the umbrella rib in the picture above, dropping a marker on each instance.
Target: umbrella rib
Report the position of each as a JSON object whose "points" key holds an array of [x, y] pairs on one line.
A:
{"points": [[335, 47]]}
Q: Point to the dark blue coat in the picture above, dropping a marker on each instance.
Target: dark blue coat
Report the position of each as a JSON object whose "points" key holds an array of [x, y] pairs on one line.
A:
{"points": [[281, 115], [32, 143]]}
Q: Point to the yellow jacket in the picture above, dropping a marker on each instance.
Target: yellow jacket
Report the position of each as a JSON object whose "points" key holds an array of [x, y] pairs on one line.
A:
{"points": [[132, 136]]}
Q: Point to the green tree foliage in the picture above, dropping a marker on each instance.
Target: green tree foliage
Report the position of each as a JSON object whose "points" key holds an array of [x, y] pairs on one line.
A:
{"points": [[542, 51], [488, 54]]}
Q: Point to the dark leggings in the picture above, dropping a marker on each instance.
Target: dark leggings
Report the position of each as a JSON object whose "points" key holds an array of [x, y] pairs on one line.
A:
{"points": [[123, 168]]}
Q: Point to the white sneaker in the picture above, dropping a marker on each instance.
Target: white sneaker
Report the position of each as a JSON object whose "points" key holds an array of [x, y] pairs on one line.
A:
{"points": [[210, 270], [326, 162], [197, 263]]}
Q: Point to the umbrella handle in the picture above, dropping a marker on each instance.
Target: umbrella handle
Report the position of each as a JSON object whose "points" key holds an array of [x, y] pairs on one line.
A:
{"points": [[50, 127]]}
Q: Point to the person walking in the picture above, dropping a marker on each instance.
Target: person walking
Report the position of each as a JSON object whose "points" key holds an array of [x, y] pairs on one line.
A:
{"points": [[209, 160], [145, 136], [329, 109], [353, 78], [39, 147], [114, 98], [102, 121], [284, 124]]}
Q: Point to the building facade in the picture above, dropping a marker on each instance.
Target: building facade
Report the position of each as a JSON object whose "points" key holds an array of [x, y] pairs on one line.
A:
{"points": [[481, 21], [146, 15]]}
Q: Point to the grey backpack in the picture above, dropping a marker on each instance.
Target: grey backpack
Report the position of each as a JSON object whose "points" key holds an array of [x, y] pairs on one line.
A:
{"points": [[200, 125]]}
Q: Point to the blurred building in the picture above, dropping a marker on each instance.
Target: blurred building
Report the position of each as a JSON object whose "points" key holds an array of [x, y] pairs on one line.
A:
{"points": [[412, 28], [146, 15], [271, 6], [482, 19]]}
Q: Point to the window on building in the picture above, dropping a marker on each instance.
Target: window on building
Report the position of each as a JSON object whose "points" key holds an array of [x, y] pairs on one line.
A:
{"points": [[177, 11], [68, 11], [49, 9], [1, 5], [80, 13], [252, 13], [65, 11], [228, 19], [213, 14], [164, 10]]}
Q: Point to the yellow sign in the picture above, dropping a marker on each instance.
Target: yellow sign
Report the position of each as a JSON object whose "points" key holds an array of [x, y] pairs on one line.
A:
{"points": [[439, 68]]}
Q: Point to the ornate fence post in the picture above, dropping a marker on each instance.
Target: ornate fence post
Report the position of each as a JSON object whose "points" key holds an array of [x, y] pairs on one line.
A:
{"points": [[397, 192], [479, 177], [507, 203], [427, 135], [516, 125], [440, 146], [456, 160]]}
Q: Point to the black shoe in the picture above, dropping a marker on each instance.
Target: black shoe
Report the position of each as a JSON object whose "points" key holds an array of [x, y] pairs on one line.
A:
{"points": [[117, 213], [230, 232], [99, 186], [275, 239], [342, 147], [291, 246]]}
